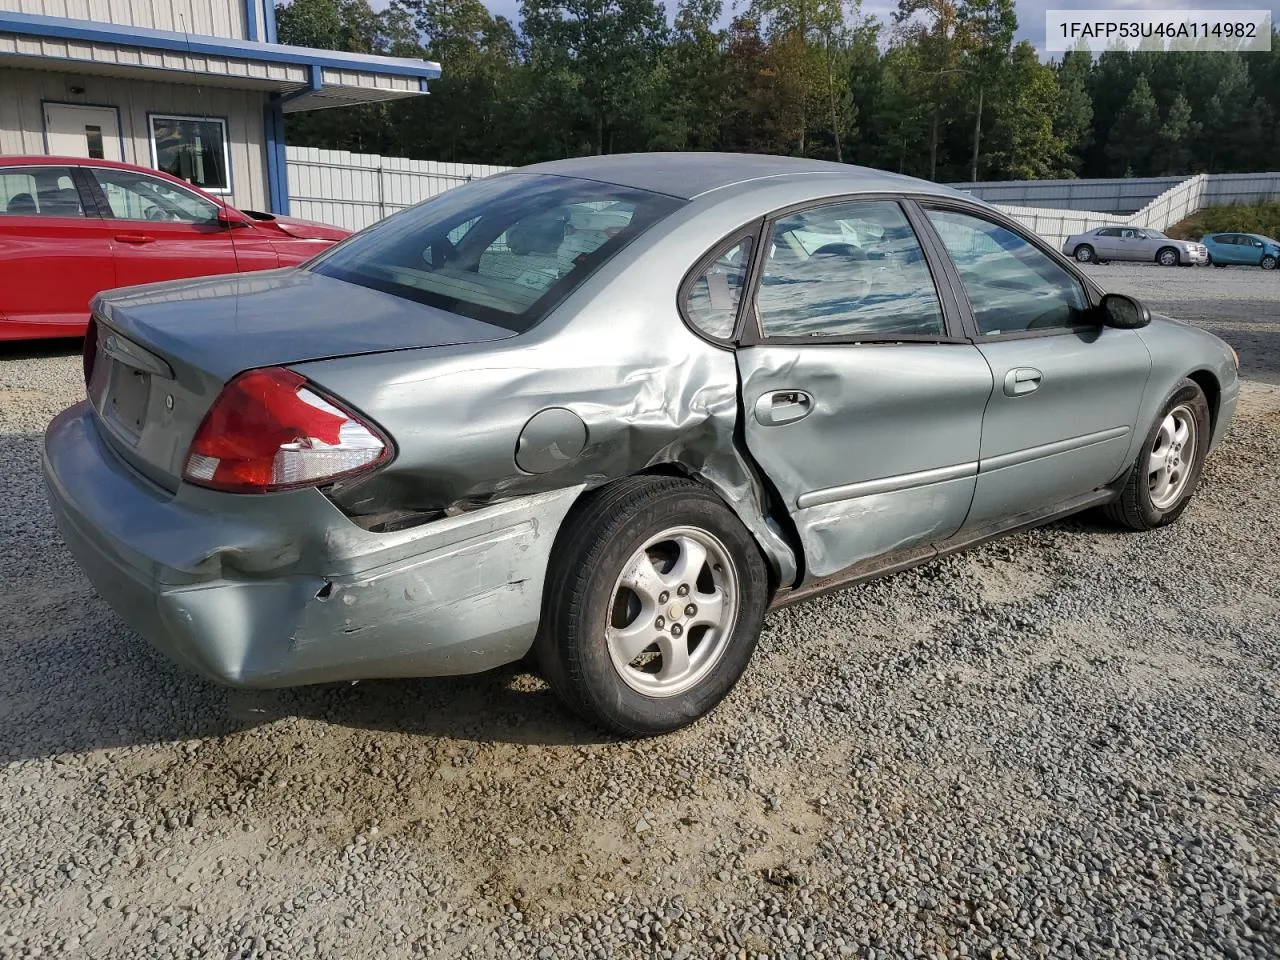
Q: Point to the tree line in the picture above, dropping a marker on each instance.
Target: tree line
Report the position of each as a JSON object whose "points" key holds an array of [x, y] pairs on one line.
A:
{"points": [[940, 90]]}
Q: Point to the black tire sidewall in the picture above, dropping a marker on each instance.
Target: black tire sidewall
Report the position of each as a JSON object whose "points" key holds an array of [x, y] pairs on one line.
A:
{"points": [[1189, 393], [578, 635]]}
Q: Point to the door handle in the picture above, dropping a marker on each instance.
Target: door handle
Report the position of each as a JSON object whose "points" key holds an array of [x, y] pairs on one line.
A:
{"points": [[1020, 381], [783, 406], [135, 238]]}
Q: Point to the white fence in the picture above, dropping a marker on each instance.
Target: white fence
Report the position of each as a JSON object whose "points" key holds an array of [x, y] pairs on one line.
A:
{"points": [[1175, 204], [1120, 195], [353, 190]]}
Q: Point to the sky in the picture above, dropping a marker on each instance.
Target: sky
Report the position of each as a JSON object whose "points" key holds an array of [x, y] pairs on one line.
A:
{"points": [[1030, 12]]}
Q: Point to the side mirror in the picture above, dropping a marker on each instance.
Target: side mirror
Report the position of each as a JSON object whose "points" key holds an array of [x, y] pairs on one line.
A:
{"points": [[1124, 313], [1257, 243], [231, 218]]}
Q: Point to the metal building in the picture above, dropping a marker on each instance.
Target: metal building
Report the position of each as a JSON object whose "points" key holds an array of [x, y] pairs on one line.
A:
{"points": [[199, 88]]}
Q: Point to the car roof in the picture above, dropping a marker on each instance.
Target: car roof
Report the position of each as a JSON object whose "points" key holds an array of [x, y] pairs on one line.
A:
{"points": [[692, 174], [52, 160]]}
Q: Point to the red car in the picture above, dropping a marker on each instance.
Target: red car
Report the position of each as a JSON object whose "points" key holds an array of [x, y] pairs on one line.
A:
{"points": [[71, 227]]}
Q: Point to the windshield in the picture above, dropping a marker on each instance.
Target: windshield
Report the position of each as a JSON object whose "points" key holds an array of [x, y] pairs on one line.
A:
{"points": [[504, 250], [1156, 235]]}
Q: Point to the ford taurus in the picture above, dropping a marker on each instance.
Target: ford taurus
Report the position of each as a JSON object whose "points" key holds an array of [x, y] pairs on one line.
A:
{"points": [[607, 412]]}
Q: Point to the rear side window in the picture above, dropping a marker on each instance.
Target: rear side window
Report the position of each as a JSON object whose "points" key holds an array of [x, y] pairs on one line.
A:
{"points": [[503, 250], [39, 192], [847, 270], [712, 302]]}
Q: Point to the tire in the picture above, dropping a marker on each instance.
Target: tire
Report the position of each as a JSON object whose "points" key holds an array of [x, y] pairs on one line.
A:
{"points": [[593, 623], [1168, 257], [1268, 262], [1144, 504], [1220, 266], [1085, 254]]}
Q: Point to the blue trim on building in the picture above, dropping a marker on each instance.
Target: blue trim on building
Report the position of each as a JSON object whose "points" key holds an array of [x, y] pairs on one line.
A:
{"points": [[251, 19], [61, 28], [269, 20], [277, 160], [315, 82]]}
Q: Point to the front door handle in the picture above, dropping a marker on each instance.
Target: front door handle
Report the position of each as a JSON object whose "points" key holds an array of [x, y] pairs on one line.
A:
{"points": [[1020, 381], [135, 238], [783, 406]]}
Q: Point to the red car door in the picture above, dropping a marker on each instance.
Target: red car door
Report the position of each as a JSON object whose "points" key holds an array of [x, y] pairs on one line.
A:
{"points": [[55, 253], [162, 231]]}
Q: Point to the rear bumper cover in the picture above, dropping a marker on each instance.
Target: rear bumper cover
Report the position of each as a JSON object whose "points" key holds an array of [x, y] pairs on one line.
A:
{"points": [[281, 590]]}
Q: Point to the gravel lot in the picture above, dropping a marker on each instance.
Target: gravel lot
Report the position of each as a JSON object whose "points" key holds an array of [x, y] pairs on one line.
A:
{"points": [[1064, 744]]}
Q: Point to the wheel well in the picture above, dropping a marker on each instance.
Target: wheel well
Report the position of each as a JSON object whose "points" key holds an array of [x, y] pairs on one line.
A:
{"points": [[781, 519], [1212, 393]]}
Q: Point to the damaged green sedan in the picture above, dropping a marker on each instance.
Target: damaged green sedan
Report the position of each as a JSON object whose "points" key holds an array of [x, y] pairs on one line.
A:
{"points": [[608, 411]]}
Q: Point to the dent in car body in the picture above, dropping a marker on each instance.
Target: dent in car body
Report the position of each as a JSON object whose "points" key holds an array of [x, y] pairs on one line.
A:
{"points": [[260, 602]]}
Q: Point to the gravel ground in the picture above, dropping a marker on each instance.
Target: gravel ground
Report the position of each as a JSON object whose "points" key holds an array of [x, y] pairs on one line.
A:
{"points": [[1066, 743]]}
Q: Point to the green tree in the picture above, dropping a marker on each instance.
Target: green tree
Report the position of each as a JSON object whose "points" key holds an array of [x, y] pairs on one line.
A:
{"points": [[987, 28], [1174, 142], [606, 51], [1133, 135], [1073, 114]]}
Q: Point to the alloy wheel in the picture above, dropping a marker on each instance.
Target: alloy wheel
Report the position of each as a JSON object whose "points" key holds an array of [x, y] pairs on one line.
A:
{"points": [[1172, 457], [673, 611]]}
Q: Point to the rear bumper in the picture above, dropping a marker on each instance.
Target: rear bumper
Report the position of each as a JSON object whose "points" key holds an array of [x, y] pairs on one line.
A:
{"points": [[283, 590]]}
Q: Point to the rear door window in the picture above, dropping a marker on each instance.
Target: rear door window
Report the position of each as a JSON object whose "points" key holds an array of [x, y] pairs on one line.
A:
{"points": [[503, 250], [39, 192], [847, 270]]}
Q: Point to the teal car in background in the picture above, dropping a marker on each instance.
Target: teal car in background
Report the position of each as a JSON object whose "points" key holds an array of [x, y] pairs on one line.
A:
{"points": [[1245, 249]]}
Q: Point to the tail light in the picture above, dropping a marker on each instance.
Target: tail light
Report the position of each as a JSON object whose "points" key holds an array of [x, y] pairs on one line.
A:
{"points": [[90, 349], [269, 431]]}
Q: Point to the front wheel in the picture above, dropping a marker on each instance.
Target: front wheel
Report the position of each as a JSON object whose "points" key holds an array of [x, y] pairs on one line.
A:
{"points": [[1167, 257], [655, 597], [1168, 468], [1268, 262]]}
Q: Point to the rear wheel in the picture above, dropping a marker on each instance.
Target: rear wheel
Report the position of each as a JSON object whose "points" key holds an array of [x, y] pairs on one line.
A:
{"points": [[1167, 257], [1168, 468], [1084, 254], [1268, 262], [655, 597]]}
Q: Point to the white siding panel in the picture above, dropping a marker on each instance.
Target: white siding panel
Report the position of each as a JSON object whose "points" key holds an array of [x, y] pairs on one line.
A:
{"points": [[354, 190], [207, 18], [22, 119]]}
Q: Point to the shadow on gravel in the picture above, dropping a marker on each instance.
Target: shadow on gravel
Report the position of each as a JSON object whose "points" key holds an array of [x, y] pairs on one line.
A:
{"points": [[40, 349], [122, 694]]}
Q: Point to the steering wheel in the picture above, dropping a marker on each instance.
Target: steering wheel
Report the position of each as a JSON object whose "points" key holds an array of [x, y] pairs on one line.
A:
{"points": [[839, 250], [156, 213]]}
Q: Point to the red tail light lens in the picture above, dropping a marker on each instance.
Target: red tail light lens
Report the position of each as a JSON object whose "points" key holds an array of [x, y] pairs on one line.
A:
{"points": [[90, 349], [268, 431]]}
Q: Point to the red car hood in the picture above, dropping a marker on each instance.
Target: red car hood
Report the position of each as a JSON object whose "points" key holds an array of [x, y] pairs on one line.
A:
{"points": [[297, 227]]}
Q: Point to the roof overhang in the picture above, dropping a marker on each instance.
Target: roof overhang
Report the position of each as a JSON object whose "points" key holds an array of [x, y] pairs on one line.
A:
{"points": [[307, 79]]}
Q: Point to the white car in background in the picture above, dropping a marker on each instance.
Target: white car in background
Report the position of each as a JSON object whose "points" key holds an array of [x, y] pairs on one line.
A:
{"points": [[1134, 243]]}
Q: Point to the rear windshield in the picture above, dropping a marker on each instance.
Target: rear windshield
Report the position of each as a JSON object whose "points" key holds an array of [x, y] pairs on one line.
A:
{"points": [[503, 250]]}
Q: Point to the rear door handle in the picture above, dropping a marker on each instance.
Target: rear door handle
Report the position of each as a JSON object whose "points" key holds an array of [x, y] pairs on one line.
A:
{"points": [[136, 238], [783, 406], [1020, 381]]}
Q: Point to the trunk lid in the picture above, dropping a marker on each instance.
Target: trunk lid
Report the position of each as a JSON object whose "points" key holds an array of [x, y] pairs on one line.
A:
{"points": [[164, 351]]}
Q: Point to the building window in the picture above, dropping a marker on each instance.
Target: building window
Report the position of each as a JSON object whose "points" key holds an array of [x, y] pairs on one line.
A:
{"points": [[193, 149]]}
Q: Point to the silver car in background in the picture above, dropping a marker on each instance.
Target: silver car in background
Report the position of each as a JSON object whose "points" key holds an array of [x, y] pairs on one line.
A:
{"points": [[608, 411], [1134, 243]]}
